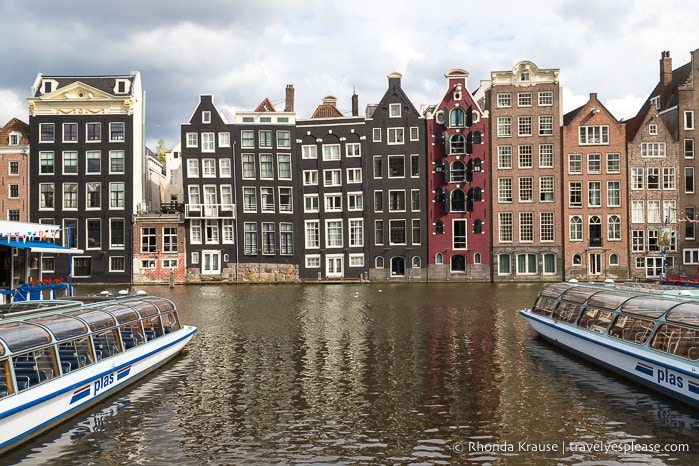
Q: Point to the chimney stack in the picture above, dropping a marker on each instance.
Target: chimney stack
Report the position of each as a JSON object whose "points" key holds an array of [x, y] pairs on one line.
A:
{"points": [[355, 104], [665, 79], [289, 104]]}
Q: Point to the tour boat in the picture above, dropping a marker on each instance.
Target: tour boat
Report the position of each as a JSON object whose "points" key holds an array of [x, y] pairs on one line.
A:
{"points": [[59, 357], [648, 334]]}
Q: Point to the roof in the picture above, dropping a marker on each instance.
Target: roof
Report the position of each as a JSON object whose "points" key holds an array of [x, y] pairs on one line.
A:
{"points": [[13, 125], [679, 77], [266, 106], [103, 83], [328, 109]]}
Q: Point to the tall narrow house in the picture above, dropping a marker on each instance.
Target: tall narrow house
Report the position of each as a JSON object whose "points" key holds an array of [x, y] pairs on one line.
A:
{"points": [[526, 168], [595, 204], [14, 153], [458, 208], [396, 204], [87, 169]]}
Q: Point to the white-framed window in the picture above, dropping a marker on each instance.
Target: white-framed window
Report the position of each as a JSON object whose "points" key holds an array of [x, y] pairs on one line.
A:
{"points": [[331, 152], [546, 156], [332, 177], [356, 260], [333, 233], [525, 156], [546, 189], [376, 135], [267, 199], [613, 193], [70, 163], [70, 195], [653, 149], [249, 199], [594, 194], [574, 164], [312, 234], [638, 212], [46, 163], [396, 166], [547, 230], [524, 99], [283, 139], [526, 227], [504, 157], [192, 168], [526, 189], [247, 138], [208, 168], [354, 175], [310, 177], [224, 168], [614, 228], [396, 136], [192, 139], [353, 149], [689, 148], [576, 228], [356, 232], [310, 203], [594, 163], [284, 166], [505, 227], [309, 152], [117, 195], [265, 138], [524, 125], [224, 139], [394, 110], [504, 126], [195, 235], [593, 135], [333, 202], [505, 190], [116, 131], [208, 143], [93, 132], [414, 133], [312, 261], [545, 98], [669, 178], [504, 100], [46, 132], [689, 119], [266, 167], [249, 169], [545, 125], [117, 162], [355, 201], [70, 133], [206, 117], [396, 200]]}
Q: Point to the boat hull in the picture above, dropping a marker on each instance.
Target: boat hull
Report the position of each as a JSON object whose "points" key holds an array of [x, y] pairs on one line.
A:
{"points": [[27, 414], [669, 376]]}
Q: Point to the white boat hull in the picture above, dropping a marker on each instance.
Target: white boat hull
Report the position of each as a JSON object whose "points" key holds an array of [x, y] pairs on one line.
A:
{"points": [[29, 413], [670, 376]]}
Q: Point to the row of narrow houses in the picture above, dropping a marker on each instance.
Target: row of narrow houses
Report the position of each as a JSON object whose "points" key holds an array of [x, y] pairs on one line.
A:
{"points": [[492, 184]]}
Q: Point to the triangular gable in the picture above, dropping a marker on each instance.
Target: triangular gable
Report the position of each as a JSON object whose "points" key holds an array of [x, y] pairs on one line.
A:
{"points": [[266, 106], [79, 90]]}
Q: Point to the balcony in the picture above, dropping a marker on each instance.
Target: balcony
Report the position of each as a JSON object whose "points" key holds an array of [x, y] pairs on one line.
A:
{"points": [[209, 211]]}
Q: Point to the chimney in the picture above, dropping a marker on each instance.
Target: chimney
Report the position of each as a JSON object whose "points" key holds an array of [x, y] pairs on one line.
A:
{"points": [[355, 104], [289, 104], [665, 79]]}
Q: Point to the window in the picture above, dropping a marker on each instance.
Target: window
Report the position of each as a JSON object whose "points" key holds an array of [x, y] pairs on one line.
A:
{"points": [[526, 189], [637, 211], [224, 139], [613, 193], [283, 139], [689, 119], [333, 202], [415, 200], [14, 166], [594, 163], [546, 125], [669, 181], [332, 177], [614, 228], [576, 228], [594, 194], [394, 110], [247, 138], [524, 99], [546, 156], [312, 262], [417, 231], [575, 194], [353, 149], [505, 227], [395, 136], [656, 149], [414, 133], [195, 236], [310, 177], [378, 201], [46, 132], [268, 238], [396, 166], [459, 234], [524, 126], [266, 167], [547, 226], [574, 164], [70, 233], [149, 239], [331, 152], [310, 203], [224, 167], [614, 162], [286, 238], [192, 168], [116, 161], [525, 156], [309, 152], [46, 193], [653, 178], [211, 229], [593, 135], [526, 264], [504, 157], [545, 98], [396, 201], [70, 195], [192, 140], [249, 171], [46, 163], [504, 100], [689, 179], [503, 264], [94, 233], [250, 238], [116, 233], [94, 132], [689, 148], [356, 232], [285, 200], [526, 227], [208, 168], [653, 130], [249, 199], [504, 190], [397, 233], [70, 132], [312, 234], [355, 201], [504, 126], [116, 131], [265, 137], [208, 143], [457, 118], [93, 195], [14, 191], [82, 267], [546, 189], [333, 233], [94, 162], [376, 135], [284, 166], [637, 178], [653, 211], [116, 195], [415, 166], [638, 240], [169, 263], [267, 199]]}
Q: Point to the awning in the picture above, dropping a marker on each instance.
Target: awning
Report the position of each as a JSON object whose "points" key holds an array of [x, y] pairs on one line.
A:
{"points": [[39, 246]]}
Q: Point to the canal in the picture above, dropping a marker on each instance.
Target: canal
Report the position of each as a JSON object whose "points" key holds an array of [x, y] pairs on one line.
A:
{"points": [[370, 374]]}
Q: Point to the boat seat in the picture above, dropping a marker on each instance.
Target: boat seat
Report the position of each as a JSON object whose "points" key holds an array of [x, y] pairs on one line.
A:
{"points": [[693, 353], [3, 390]]}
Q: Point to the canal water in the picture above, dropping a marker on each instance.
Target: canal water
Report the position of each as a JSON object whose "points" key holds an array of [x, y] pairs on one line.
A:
{"points": [[370, 374]]}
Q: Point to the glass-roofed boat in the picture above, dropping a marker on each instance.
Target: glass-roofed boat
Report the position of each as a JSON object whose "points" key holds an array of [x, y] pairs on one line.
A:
{"points": [[647, 334], [59, 357]]}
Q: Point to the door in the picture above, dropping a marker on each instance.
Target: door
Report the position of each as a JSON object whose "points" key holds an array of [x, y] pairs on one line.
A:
{"points": [[595, 264], [210, 201], [333, 266], [397, 267], [211, 262]]}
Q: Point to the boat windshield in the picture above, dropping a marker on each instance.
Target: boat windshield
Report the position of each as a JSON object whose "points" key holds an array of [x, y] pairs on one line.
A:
{"points": [[685, 313], [19, 336], [63, 327], [648, 306]]}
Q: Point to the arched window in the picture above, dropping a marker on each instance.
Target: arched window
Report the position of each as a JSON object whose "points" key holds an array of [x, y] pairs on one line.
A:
{"points": [[613, 259], [457, 118], [458, 201], [439, 259], [457, 144], [614, 229], [595, 229], [457, 172], [477, 258], [577, 259], [477, 226], [416, 262], [576, 228], [379, 262], [439, 227], [477, 165], [458, 263]]}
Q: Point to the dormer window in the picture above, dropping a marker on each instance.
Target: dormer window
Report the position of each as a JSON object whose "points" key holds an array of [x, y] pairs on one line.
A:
{"points": [[655, 102], [48, 85], [121, 86], [206, 117], [14, 139], [524, 76]]}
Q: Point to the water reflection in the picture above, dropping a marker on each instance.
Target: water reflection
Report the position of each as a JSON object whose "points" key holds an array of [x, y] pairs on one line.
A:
{"points": [[373, 374]]}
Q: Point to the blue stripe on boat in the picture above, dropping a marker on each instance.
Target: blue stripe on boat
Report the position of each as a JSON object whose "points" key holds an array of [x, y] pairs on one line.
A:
{"points": [[80, 393], [123, 372], [644, 368], [693, 386]]}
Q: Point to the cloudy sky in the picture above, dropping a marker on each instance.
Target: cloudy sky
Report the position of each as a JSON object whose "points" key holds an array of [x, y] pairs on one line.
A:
{"points": [[242, 51]]}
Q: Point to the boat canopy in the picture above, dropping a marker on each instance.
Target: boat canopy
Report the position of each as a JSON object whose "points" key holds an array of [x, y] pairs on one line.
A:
{"points": [[685, 313]]}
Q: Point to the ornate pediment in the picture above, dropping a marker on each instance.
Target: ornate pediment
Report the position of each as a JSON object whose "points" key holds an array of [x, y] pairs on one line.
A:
{"points": [[77, 91]]}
